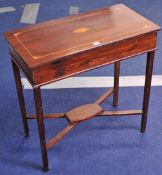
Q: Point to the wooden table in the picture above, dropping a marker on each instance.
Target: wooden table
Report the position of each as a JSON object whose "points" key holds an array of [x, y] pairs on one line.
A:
{"points": [[57, 49]]}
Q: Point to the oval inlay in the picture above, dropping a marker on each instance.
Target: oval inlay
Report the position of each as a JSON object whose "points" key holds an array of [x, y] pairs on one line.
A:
{"points": [[146, 26], [81, 30]]}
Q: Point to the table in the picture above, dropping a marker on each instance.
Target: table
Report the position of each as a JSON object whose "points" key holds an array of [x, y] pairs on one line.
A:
{"points": [[57, 49]]}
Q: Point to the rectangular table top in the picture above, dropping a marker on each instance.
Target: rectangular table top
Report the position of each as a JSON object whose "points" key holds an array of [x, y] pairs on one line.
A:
{"points": [[50, 41]]}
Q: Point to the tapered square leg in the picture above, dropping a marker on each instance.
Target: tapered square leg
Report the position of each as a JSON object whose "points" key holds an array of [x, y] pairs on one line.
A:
{"points": [[19, 88], [39, 113], [148, 78], [116, 83]]}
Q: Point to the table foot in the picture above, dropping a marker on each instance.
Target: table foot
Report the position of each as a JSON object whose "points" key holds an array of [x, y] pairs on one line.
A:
{"points": [[143, 130]]}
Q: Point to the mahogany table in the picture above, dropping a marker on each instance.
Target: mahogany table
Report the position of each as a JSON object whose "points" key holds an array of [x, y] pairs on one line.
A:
{"points": [[57, 49]]}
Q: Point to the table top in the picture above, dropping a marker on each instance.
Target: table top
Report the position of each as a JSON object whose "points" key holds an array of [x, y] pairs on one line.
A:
{"points": [[52, 40]]}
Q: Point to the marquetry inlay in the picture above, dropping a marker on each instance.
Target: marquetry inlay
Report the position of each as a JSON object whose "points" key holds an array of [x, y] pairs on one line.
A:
{"points": [[81, 30]]}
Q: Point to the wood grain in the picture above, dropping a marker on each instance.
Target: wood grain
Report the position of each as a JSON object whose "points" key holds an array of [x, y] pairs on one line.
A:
{"points": [[104, 96], [47, 116], [52, 50], [121, 113], [83, 112], [59, 136], [57, 39], [94, 58]]}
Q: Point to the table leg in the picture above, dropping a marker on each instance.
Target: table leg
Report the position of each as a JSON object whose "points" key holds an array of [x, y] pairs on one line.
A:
{"points": [[148, 78], [116, 83], [19, 88], [39, 113]]}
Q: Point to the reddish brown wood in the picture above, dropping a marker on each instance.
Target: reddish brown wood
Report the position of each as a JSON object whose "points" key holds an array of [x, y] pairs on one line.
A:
{"points": [[47, 116], [39, 112], [148, 78], [104, 96], [48, 41], [59, 136], [84, 112], [22, 66], [121, 113], [116, 83], [54, 50], [20, 97]]}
